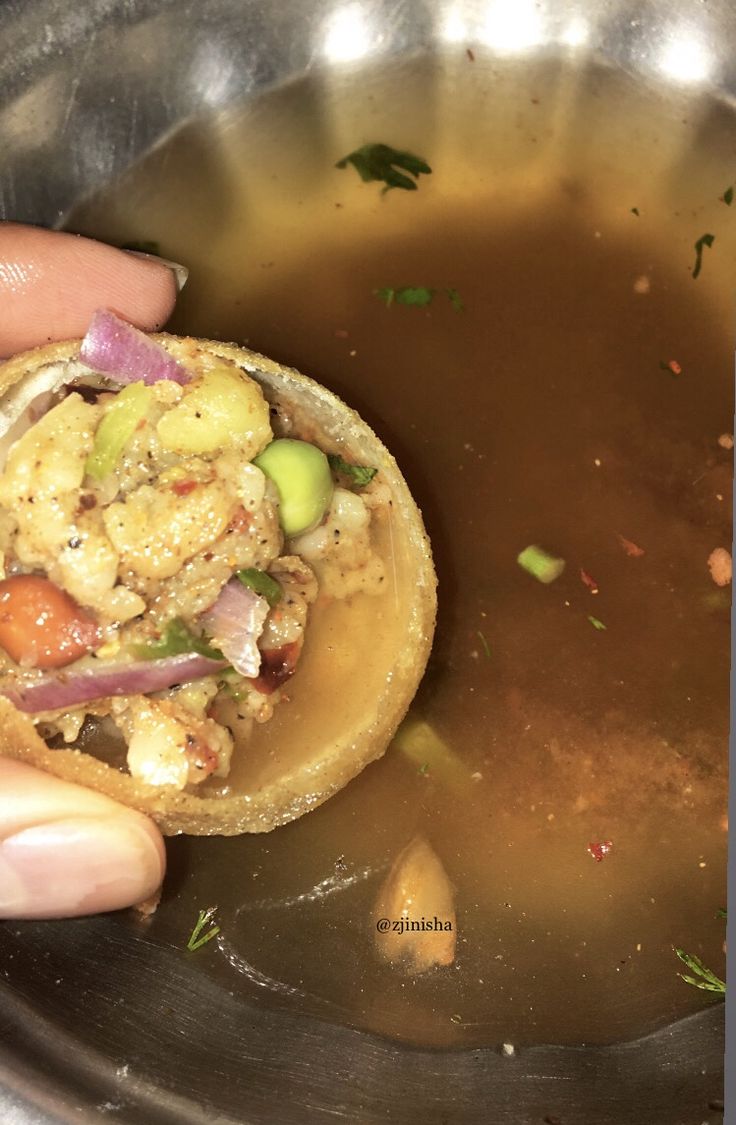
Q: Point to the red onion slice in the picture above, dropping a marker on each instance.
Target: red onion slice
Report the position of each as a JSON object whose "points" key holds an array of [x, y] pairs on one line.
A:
{"points": [[116, 348], [64, 690], [234, 623]]}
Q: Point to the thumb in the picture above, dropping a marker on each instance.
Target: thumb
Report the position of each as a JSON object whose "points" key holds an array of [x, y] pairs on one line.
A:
{"points": [[67, 851]]}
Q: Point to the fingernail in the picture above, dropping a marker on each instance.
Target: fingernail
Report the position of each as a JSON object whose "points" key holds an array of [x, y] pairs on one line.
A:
{"points": [[79, 866], [180, 272]]}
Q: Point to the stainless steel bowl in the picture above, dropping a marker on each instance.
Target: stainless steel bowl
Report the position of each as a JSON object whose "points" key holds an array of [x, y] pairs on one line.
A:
{"points": [[98, 1026]]}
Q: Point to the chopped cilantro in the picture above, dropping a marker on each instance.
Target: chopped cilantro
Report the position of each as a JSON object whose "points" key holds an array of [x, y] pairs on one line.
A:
{"points": [[728, 196], [261, 583], [596, 623], [635, 211], [176, 639], [704, 240], [455, 300], [143, 247], [381, 162], [195, 940], [360, 475], [409, 295], [424, 769], [418, 295], [708, 981], [721, 912], [484, 642]]}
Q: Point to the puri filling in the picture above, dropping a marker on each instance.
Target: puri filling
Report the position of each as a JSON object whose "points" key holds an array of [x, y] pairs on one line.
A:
{"points": [[162, 550]]}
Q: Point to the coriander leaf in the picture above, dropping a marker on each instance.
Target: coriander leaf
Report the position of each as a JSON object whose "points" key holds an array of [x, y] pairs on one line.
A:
{"points": [[721, 912], [596, 623], [455, 300], [381, 162], [708, 981], [417, 295], [414, 295], [360, 475], [704, 240], [261, 583], [143, 247], [205, 917], [484, 642], [176, 639], [424, 769], [728, 196]]}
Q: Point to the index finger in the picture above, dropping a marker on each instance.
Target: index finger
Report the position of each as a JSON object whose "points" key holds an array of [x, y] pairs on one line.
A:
{"points": [[51, 282]]}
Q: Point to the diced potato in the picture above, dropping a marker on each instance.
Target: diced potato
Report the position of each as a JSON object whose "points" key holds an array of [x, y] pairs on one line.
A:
{"points": [[156, 531], [167, 745], [43, 473], [87, 566], [243, 478], [49, 458], [221, 410], [340, 549]]}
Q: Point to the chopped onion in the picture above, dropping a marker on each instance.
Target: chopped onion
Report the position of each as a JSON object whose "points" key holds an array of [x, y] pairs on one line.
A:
{"points": [[116, 348], [235, 622], [68, 689]]}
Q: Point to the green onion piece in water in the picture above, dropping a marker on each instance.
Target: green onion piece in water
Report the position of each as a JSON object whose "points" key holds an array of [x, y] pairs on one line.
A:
{"points": [[540, 564]]}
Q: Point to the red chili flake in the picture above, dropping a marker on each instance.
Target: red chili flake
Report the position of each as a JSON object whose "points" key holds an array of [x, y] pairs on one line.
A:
{"points": [[241, 521], [183, 487], [599, 849], [470, 54], [341, 333], [671, 365], [631, 549], [589, 581], [201, 755]]}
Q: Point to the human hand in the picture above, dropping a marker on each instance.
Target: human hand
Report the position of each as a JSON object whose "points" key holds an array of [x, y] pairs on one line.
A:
{"points": [[65, 850]]}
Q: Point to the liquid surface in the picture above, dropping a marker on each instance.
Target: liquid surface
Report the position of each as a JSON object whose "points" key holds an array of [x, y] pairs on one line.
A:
{"points": [[538, 414]]}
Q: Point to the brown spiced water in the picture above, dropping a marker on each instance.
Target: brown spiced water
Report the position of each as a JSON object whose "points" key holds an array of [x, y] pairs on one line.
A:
{"points": [[563, 208]]}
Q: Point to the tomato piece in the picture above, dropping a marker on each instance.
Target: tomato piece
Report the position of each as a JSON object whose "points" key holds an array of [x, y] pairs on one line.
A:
{"points": [[41, 626], [184, 487], [241, 520]]}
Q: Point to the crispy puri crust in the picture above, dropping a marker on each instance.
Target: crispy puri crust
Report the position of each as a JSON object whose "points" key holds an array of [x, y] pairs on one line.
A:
{"points": [[313, 781]]}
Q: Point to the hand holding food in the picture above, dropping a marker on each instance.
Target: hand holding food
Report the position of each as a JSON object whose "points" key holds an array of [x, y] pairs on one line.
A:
{"points": [[193, 526]]}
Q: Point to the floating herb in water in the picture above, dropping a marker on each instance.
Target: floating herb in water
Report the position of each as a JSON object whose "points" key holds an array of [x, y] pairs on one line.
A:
{"points": [[197, 939], [381, 162], [708, 981], [704, 240]]}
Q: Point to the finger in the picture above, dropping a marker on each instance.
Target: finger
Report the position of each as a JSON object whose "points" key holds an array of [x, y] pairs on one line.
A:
{"points": [[51, 283], [67, 851]]}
